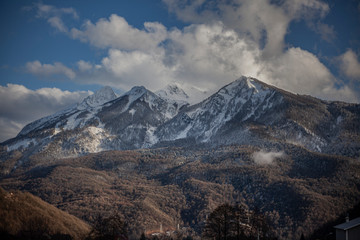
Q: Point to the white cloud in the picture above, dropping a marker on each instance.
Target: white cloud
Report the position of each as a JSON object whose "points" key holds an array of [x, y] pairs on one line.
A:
{"points": [[265, 158], [263, 21], [84, 66], [136, 68], [299, 71], [57, 23], [207, 56], [44, 11], [20, 105], [229, 39], [57, 68], [117, 33], [211, 54], [53, 15], [9, 128], [350, 65]]}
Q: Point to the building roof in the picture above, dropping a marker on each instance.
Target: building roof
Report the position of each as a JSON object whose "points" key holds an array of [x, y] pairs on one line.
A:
{"points": [[350, 224]]}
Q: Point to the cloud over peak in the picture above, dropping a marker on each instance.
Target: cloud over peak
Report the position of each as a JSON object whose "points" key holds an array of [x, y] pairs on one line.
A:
{"points": [[265, 22], [225, 39]]}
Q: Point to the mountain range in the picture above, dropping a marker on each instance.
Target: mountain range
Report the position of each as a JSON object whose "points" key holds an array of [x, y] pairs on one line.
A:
{"points": [[246, 111], [158, 159]]}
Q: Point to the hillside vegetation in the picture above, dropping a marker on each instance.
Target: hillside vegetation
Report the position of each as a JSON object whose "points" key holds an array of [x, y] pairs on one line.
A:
{"points": [[23, 215], [296, 189]]}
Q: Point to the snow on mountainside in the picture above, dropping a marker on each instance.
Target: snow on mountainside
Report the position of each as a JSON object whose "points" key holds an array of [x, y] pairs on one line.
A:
{"points": [[133, 118], [100, 97], [246, 111], [99, 123], [173, 92], [203, 120]]}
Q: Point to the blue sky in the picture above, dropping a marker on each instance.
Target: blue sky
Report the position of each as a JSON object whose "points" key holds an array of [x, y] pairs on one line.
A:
{"points": [[55, 53]]}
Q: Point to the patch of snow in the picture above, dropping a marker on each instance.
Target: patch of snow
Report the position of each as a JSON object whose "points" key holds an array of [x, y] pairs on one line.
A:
{"points": [[339, 119], [92, 142], [21, 144], [46, 120], [95, 130], [150, 138], [72, 121], [183, 134], [57, 130], [132, 112]]}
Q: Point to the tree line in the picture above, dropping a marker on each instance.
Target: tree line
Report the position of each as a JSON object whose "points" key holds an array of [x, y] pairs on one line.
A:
{"points": [[235, 222]]}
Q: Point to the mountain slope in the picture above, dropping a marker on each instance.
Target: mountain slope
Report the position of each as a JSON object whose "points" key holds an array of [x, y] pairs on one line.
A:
{"points": [[244, 99], [23, 214], [297, 189]]}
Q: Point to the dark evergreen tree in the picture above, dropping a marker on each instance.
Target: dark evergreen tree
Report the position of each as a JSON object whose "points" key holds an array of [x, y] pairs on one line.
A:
{"points": [[219, 222], [143, 237], [112, 227]]}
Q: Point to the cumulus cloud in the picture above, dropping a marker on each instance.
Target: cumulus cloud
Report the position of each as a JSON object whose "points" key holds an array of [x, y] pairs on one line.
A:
{"points": [[206, 56], [210, 56], [115, 32], [137, 68], [226, 40], [37, 68], [350, 65], [263, 21], [265, 158], [299, 71], [84, 66], [20, 105]]}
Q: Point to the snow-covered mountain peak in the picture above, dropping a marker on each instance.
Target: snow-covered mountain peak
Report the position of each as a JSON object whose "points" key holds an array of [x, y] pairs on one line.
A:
{"points": [[100, 97], [246, 86], [135, 93], [174, 92]]}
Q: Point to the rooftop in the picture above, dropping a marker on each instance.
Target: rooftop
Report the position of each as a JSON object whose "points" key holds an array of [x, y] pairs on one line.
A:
{"points": [[350, 224]]}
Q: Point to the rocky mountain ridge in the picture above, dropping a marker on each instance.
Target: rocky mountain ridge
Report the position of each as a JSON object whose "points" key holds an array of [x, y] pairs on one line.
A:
{"points": [[246, 111]]}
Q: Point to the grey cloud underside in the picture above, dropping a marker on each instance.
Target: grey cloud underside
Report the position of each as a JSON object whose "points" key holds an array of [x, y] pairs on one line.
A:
{"points": [[246, 111]]}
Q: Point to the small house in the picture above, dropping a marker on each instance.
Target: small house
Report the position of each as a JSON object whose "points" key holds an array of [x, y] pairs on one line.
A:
{"points": [[349, 230]]}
